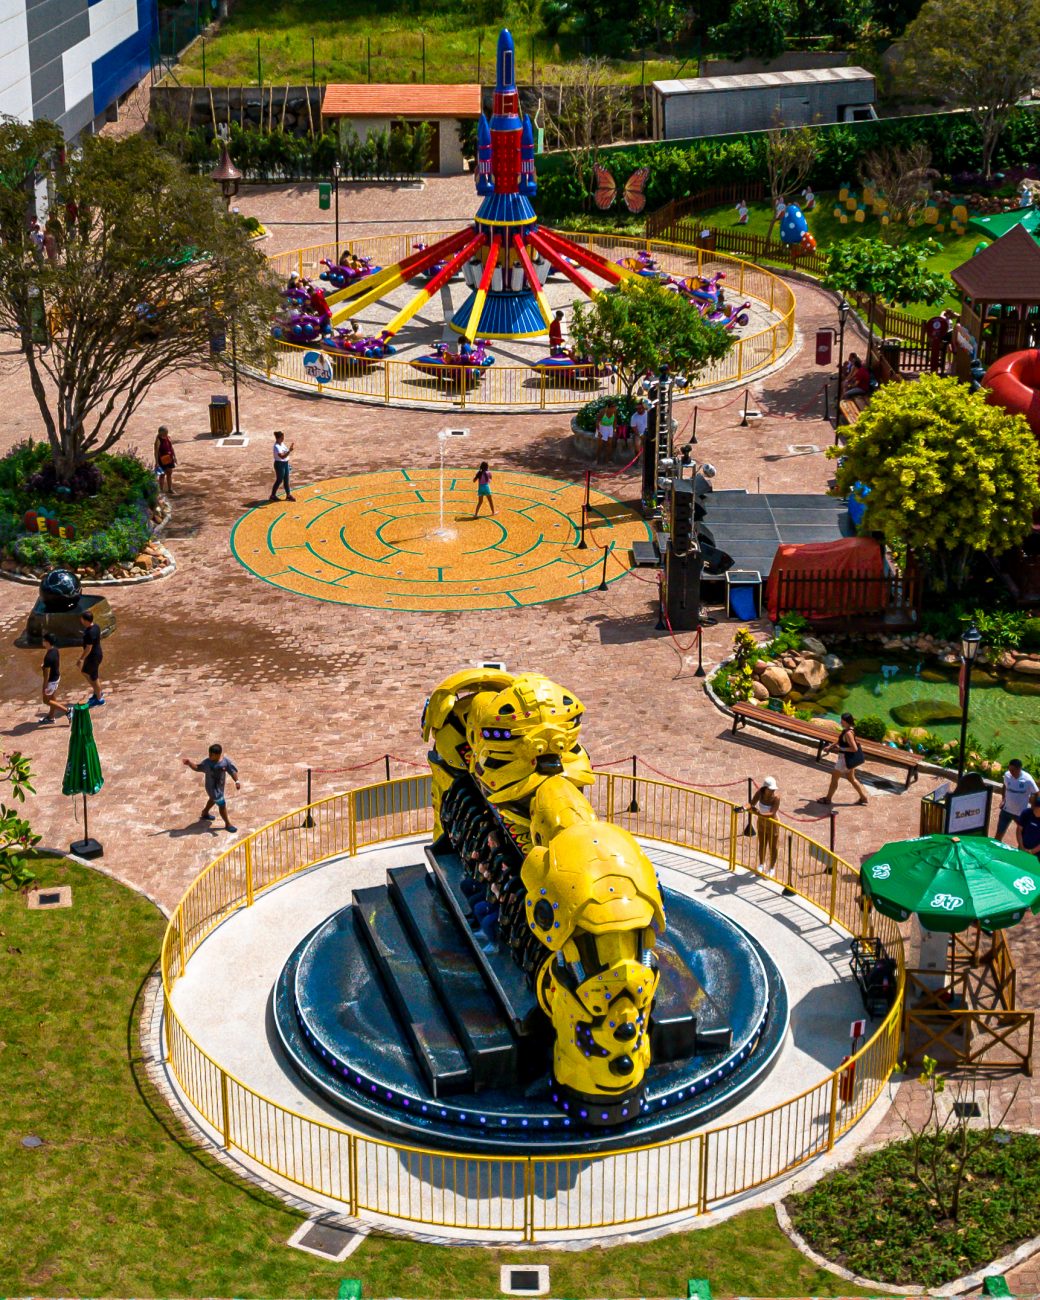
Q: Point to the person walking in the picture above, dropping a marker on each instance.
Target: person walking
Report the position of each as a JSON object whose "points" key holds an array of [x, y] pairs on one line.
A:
{"points": [[51, 677], [1019, 788], [282, 452], [765, 804], [165, 460], [606, 433], [89, 661], [216, 768], [849, 756], [556, 335], [482, 478], [1029, 827]]}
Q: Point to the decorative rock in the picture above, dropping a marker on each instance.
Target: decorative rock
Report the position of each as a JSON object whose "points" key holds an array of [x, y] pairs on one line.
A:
{"points": [[949, 657], [813, 645], [759, 667], [809, 675], [775, 680], [758, 691], [833, 664], [1006, 659], [1030, 666]]}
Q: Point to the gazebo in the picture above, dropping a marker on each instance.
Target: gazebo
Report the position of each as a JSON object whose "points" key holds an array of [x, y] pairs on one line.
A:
{"points": [[1001, 309]]}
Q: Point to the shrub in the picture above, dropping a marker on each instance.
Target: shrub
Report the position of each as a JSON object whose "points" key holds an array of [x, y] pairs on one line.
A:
{"points": [[871, 727], [588, 415]]}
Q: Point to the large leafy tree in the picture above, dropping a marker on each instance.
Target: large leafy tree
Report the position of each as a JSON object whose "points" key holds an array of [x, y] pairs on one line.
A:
{"points": [[142, 267], [588, 113], [641, 327], [983, 57], [895, 274], [951, 477], [790, 156], [754, 29]]}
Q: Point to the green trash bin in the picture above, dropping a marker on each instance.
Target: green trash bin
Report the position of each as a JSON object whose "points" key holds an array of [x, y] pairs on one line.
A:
{"points": [[996, 1285], [698, 1288], [349, 1289]]}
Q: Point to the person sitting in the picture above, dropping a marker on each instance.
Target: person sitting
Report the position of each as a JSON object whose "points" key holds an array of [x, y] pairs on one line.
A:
{"points": [[859, 381]]}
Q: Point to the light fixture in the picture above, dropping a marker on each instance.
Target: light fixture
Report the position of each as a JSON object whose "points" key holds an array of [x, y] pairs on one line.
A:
{"points": [[970, 642], [226, 175], [844, 307]]}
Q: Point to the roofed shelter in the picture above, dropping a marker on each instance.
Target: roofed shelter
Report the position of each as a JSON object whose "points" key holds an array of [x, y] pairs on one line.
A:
{"points": [[1001, 310], [368, 109]]}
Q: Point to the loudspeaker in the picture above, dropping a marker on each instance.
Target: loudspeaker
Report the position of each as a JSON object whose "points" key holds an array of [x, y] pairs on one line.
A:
{"points": [[716, 561], [682, 589], [681, 522]]}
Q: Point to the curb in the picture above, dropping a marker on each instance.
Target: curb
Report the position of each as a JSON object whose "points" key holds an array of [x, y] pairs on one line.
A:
{"points": [[165, 572]]}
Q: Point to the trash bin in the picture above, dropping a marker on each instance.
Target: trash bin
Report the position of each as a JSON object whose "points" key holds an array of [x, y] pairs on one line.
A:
{"points": [[219, 416], [890, 352]]}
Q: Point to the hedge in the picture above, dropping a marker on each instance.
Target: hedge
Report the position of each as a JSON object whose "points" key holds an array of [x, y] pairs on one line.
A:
{"points": [[679, 168]]}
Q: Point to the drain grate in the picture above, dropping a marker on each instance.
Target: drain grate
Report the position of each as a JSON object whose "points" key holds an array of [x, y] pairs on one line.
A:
{"points": [[524, 1279], [327, 1240], [803, 448], [55, 896], [235, 440], [967, 1110]]}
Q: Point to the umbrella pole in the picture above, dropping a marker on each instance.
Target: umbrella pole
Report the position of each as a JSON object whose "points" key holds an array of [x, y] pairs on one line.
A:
{"points": [[86, 829]]}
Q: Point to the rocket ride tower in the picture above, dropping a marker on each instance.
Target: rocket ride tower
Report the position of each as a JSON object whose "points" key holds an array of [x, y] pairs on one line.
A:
{"points": [[506, 256]]}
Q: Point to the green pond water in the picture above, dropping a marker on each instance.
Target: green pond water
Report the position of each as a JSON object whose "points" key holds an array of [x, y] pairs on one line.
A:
{"points": [[907, 692]]}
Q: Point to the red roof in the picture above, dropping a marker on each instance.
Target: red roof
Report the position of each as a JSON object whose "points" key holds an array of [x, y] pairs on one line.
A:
{"points": [[1007, 270], [401, 101]]}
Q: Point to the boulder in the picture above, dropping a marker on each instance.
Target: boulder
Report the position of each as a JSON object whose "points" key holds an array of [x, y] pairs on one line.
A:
{"points": [[1006, 659], [833, 664], [776, 680], [1030, 666], [810, 675], [813, 645], [759, 693], [759, 667]]}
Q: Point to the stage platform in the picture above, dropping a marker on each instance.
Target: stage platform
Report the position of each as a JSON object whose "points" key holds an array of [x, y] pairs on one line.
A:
{"points": [[752, 527]]}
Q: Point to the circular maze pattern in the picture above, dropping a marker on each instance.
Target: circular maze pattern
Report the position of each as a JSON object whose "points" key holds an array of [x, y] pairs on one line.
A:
{"points": [[383, 541]]}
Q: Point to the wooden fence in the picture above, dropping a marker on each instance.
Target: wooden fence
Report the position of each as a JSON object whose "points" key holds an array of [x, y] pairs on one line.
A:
{"points": [[891, 600]]}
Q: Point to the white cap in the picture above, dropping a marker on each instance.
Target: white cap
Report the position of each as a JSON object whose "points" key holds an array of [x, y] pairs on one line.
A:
{"points": [[708, 471], [770, 783]]}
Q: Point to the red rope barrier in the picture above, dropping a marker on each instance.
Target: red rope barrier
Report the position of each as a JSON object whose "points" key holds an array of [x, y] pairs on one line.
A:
{"points": [[699, 785], [335, 771]]}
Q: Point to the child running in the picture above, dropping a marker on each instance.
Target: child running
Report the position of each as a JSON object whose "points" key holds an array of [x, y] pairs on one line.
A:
{"points": [[482, 478]]}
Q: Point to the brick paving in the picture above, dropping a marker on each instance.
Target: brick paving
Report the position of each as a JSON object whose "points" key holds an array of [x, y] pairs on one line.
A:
{"points": [[212, 653]]}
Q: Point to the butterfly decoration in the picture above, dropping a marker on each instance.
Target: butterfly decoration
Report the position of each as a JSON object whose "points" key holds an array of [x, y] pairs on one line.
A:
{"points": [[634, 192]]}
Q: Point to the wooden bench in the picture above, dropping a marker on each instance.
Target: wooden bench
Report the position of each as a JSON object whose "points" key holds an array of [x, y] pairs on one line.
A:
{"points": [[851, 407], [753, 715]]}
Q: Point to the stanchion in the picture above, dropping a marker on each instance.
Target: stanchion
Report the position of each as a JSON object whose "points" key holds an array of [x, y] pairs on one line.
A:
{"points": [[308, 821], [603, 579], [386, 764], [693, 431], [787, 891], [583, 545], [634, 805], [745, 422], [749, 825], [833, 818], [660, 625], [700, 653], [827, 401]]}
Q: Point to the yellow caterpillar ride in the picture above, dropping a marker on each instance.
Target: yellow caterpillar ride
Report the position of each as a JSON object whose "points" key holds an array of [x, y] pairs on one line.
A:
{"points": [[575, 899]]}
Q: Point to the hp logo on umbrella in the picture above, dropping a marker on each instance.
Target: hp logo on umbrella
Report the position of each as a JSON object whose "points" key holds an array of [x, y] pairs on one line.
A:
{"points": [[1025, 884], [881, 872], [948, 902]]}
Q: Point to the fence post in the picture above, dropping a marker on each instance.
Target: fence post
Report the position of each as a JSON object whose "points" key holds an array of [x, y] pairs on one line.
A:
{"points": [[834, 887], [249, 870], [702, 1175], [351, 824], [610, 796], [386, 382], [352, 1164], [528, 1200], [180, 938], [732, 855], [832, 1121], [225, 1111]]}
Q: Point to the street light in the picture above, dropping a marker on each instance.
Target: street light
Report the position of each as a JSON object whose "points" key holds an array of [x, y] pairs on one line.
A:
{"points": [[844, 307], [970, 641], [335, 191], [226, 175]]}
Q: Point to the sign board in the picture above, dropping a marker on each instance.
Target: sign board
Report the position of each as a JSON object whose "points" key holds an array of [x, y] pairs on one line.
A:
{"points": [[964, 340], [324, 195], [967, 807], [217, 342], [316, 365], [857, 1029], [824, 347]]}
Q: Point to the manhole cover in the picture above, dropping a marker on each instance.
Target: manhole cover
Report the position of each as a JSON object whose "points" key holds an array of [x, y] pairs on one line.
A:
{"points": [[803, 448], [328, 1240], [236, 440], [55, 896], [524, 1280]]}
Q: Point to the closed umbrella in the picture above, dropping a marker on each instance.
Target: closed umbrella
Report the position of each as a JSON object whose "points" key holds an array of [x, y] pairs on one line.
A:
{"points": [[951, 882], [83, 774]]}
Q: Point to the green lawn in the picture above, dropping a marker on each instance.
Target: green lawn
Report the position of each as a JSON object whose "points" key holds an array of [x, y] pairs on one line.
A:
{"points": [[121, 1201], [342, 30], [827, 230]]}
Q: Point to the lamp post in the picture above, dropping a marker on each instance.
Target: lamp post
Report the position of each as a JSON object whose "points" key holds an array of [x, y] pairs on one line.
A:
{"points": [[844, 307], [970, 641], [335, 192], [226, 175]]}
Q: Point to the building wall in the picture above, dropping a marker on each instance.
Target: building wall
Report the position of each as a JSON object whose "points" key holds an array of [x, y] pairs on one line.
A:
{"points": [[450, 159], [725, 112], [70, 60]]}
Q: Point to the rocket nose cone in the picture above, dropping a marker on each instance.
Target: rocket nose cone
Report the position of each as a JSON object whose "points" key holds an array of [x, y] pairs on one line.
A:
{"points": [[506, 61], [483, 130]]}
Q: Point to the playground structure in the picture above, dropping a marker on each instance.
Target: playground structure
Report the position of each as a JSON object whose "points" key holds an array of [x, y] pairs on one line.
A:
{"points": [[1013, 382]]}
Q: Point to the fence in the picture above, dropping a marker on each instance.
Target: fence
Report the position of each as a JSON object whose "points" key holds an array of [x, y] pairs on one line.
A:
{"points": [[521, 387], [531, 1195], [823, 596]]}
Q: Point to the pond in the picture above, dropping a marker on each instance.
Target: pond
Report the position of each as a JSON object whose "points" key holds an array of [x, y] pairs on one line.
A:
{"points": [[907, 691]]}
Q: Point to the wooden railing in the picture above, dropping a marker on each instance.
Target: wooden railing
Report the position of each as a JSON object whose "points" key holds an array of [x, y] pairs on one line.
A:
{"points": [[823, 596]]}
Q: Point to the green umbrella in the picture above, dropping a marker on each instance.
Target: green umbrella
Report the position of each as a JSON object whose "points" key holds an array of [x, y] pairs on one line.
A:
{"points": [[1001, 222], [952, 881], [82, 769]]}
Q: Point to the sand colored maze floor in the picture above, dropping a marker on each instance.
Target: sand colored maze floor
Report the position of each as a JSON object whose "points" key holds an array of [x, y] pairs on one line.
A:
{"points": [[376, 540]]}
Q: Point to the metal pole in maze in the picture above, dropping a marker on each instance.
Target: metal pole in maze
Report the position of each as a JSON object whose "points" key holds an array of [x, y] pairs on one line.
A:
{"points": [[661, 625], [700, 652], [386, 764], [693, 431], [308, 821], [234, 369], [833, 827], [634, 804], [744, 421], [827, 401], [749, 825], [603, 577], [583, 545]]}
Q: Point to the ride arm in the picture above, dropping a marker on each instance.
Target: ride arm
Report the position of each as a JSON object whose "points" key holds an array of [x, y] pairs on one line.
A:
{"points": [[481, 295], [383, 282], [441, 278], [532, 278], [591, 261], [556, 259]]}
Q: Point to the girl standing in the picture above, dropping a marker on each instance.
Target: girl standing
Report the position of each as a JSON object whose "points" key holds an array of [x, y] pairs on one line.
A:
{"points": [[849, 756], [165, 459], [482, 478]]}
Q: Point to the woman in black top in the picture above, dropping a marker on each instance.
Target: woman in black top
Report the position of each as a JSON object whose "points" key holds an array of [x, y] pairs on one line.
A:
{"points": [[850, 756], [51, 676], [89, 661]]}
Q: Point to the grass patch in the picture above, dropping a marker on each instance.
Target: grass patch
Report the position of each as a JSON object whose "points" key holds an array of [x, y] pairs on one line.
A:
{"points": [[875, 1219], [346, 32], [121, 1201]]}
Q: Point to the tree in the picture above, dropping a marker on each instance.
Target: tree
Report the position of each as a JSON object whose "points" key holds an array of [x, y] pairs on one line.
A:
{"points": [[895, 274], [951, 477], [589, 110], [902, 175], [754, 29], [982, 57], [790, 155], [144, 267], [640, 327], [16, 835]]}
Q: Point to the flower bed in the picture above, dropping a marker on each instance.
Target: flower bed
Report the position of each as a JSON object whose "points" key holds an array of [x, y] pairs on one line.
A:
{"points": [[111, 506]]}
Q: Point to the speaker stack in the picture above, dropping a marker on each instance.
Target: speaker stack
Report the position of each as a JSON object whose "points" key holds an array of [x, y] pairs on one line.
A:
{"points": [[683, 561], [657, 441]]}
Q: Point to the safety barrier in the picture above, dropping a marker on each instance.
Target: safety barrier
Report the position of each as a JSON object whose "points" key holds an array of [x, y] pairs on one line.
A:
{"points": [[531, 1195], [520, 387]]}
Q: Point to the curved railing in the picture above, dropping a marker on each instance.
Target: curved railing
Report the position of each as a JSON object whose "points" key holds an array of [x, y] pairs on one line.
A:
{"points": [[520, 387], [536, 1194]]}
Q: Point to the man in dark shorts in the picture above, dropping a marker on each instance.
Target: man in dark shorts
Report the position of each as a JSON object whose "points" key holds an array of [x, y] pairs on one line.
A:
{"points": [[51, 676], [216, 769], [89, 661], [1029, 827]]}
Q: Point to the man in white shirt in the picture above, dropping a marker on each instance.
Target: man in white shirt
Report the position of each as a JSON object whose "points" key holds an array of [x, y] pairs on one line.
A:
{"points": [[637, 421], [1018, 787]]}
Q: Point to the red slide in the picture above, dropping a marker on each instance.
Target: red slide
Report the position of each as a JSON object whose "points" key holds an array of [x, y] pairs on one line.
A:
{"points": [[1014, 384]]}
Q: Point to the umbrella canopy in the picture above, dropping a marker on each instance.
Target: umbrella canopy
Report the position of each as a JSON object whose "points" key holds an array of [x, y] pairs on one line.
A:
{"points": [[83, 765], [1001, 222], [951, 882]]}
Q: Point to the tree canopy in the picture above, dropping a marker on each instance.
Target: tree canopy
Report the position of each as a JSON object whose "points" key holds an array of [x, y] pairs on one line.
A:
{"points": [[982, 57], [896, 274], [640, 327], [951, 477], [754, 28], [141, 268]]}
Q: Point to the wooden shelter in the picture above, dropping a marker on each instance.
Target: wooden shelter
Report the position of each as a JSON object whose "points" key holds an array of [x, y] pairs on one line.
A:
{"points": [[1001, 310], [370, 108]]}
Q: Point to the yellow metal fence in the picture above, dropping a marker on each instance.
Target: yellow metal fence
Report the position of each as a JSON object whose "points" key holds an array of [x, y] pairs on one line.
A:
{"points": [[520, 387], [533, 1195]]}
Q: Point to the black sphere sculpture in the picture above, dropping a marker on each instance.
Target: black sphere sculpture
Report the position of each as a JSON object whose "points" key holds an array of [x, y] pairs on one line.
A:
{"points": [[60, 590]]}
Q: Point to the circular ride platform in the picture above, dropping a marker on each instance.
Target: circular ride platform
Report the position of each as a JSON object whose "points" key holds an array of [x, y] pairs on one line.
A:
{"points": [[390, 540]]}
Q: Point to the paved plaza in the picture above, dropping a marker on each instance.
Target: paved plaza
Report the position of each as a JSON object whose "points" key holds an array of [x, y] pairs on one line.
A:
{"points": [[288, 683]]}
